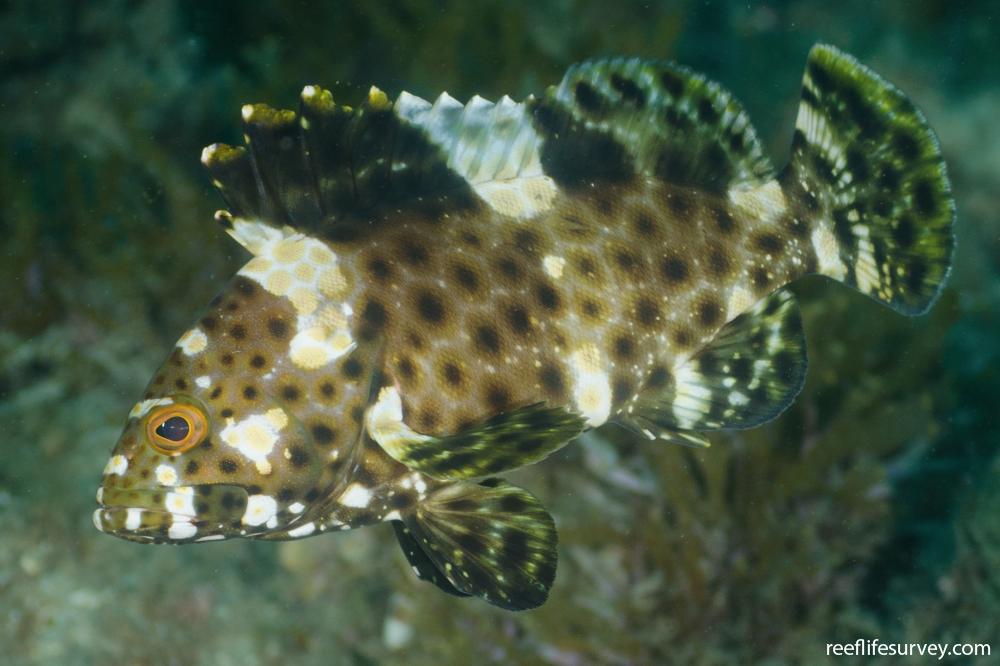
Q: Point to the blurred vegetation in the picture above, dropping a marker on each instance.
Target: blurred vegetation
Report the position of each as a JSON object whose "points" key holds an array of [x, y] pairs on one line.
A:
{"points": [[870, 509]]}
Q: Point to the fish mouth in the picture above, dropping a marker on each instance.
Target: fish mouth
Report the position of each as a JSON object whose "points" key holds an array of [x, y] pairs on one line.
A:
{"points": [[171, 514]]}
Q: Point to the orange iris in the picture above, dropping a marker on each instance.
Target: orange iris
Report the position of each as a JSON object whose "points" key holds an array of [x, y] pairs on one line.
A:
{"points": [[174, 429]]}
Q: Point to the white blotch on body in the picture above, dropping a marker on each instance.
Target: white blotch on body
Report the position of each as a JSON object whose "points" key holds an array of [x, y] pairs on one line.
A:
{"points": [[302, 530], [384, 422], [182, 530], [356, 496], [260, 509], [591, 385], [256, 435], [166, 475]]}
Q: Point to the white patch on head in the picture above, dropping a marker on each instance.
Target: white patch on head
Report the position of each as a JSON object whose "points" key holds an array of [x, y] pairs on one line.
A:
{"points": [[256, 435], [133, 519], [96, 517], [100, 495], [591, 386], [193, 342], [356, 496], [166, 475], [118, 464], [392, 515], [142, 408], [828, 253], [302, 530], [384, 422], [260, 509], [203, 382], [182, 530], [554, 265], [296, 507], [211, 537]]}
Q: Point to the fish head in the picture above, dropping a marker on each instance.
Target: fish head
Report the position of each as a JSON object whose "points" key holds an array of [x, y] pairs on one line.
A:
{"points": [[215, 448]]}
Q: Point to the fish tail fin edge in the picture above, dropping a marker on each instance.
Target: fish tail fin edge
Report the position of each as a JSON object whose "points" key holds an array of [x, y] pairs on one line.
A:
{"points": [[867, 172]]}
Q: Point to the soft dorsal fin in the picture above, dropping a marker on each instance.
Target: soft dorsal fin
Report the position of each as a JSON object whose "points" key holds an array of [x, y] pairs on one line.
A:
{"points": [[746, 376], [614, 117]]}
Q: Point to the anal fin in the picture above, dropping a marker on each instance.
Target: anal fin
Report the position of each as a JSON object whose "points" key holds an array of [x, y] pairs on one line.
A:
{"points": [[746, 376], [491, 540]]}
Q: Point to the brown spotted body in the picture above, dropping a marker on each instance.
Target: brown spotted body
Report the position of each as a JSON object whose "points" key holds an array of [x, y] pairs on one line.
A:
{"points": [[442, 292]]}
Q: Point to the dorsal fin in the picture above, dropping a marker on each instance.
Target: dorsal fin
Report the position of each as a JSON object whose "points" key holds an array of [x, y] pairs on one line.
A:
{"points": [[327, 169], [616, 117]]}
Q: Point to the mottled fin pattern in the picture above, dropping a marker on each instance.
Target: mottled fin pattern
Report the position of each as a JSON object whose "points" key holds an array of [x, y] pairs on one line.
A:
{"points": [[504, 442], [492, 540], [619, 117], [867, 169], [422, 565], [327, 168], [747, 375]]}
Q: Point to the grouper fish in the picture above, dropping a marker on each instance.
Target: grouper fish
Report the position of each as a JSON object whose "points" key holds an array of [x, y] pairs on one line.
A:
{"points": [[443, 292]]}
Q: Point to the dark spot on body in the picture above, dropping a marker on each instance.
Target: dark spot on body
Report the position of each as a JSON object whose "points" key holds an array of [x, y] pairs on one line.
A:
{"points": [[623, 348], [406, 368], [290, 393], [226, 413], [658, 377], [709, 313], [380, 269], [527, 241], [889, 179], [209, 323], [644, 224], [249, 392], [216, 392], [647, 311], [323, 434], [374, 315], [718, 261], [509, 267], [857, 164], [277, 328], [520, 322], [238, 332], [413, 252], [181, 384], [191, 467], [226, 359], [621, 390], [430, 307], [498, 397], [915, 275], [682, 338], [452, 373], [551, 378], [257, 361], [352, 368], [759, 278], [228, 466], [547, 296], [327, 390], [297, 456], [674, 269], [467, 278], [769, 243], [724, 221], [245, 286], [487, 339]]}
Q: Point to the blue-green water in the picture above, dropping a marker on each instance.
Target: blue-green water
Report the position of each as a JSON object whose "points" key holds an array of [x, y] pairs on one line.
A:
{"points": [[870, 509]]}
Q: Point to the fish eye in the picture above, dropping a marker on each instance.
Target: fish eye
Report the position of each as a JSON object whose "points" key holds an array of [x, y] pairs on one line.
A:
{"points": [[174, 429]]}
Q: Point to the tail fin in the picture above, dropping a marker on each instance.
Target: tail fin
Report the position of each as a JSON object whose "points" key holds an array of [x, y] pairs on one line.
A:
{"points": [[866, 170]]}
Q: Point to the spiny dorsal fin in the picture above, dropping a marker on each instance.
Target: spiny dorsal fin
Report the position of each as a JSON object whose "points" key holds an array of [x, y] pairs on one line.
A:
{"points": [[612, 118], [330, 169], [746, 376], [492, 540]]}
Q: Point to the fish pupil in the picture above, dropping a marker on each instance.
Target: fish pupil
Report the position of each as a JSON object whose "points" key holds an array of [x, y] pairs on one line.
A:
{"points": [[176, 428]]}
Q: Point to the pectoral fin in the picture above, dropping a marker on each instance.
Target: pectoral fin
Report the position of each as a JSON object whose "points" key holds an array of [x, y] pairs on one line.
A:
{"points": [[507, 441]]}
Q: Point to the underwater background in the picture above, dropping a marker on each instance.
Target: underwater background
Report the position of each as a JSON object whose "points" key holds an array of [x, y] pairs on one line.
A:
{"points": [[870, 509]]}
